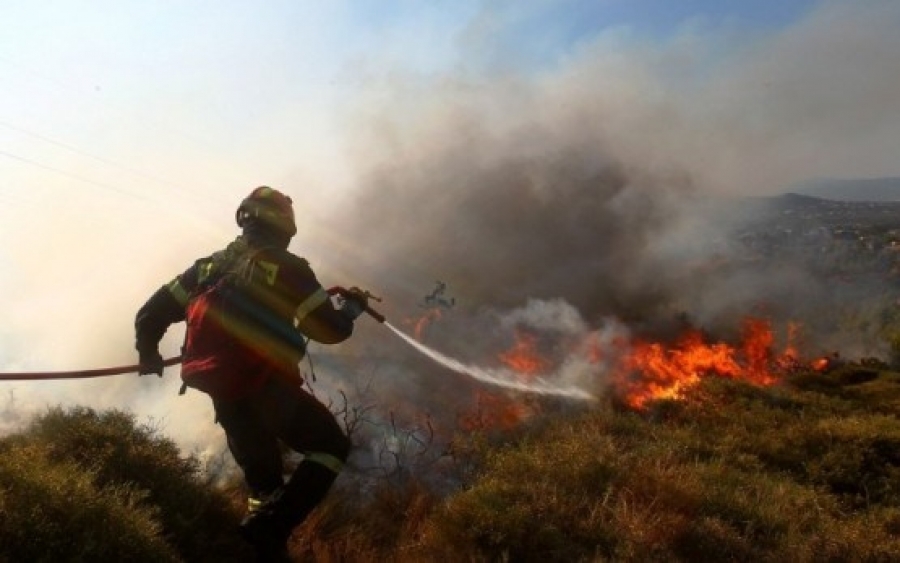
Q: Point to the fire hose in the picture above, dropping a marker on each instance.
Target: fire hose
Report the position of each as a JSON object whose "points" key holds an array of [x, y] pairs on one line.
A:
{"points": [[79, 374], [118, 370]]}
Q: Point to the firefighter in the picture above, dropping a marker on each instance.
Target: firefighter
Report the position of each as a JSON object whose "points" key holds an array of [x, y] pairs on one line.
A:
{"points": [[248, 362]]}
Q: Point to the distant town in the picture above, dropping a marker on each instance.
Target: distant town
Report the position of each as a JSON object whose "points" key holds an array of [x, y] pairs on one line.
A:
{"points": [[865, 236]]}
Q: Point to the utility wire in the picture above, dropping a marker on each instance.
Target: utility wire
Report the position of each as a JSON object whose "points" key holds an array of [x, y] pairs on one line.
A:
{"points": [[69, 86], [72, 176], [76, 150]]}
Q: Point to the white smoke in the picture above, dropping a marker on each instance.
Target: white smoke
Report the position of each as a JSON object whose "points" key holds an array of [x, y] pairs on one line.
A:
{"points": [[555, 315]]}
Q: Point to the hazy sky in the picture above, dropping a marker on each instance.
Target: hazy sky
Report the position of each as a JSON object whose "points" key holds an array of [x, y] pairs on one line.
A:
{"points": [[130, 130], [125, 100]]}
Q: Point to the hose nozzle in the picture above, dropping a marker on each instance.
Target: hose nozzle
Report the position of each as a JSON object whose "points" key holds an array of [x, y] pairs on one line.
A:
{"points": [[346, 293]]}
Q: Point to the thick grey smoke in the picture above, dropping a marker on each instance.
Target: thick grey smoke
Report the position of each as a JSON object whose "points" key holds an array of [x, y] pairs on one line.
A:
{"points": [[598, 181]]}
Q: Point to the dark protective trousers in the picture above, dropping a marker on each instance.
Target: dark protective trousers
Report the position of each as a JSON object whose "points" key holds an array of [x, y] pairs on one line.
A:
{"points": [[255, 424]]}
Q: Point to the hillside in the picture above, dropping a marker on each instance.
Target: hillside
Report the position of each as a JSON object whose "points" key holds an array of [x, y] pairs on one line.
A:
{"points": [[805, 470], [799, 211], [857, 189], [801, 466]]}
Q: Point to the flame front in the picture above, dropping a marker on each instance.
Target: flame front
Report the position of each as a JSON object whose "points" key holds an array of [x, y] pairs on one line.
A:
{"points": [[643, 371], [638, 371], [650, 370]]}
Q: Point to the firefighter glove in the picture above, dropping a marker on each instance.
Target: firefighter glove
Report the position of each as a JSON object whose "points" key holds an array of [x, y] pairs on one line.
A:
{"points": [[355, 303], [150, 362]]}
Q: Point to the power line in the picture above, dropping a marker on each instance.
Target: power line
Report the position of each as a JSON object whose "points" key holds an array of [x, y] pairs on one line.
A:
{"points": [[70, 175], [69, 86], [76, 150], [179, 210]]}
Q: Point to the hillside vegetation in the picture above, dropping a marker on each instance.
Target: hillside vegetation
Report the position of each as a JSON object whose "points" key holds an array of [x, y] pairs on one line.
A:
{"points": [[81, 485], [804, 471]]}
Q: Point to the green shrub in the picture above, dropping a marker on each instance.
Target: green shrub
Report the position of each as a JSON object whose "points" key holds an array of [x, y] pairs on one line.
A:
{"points": [[117, 454], [53, 511]]}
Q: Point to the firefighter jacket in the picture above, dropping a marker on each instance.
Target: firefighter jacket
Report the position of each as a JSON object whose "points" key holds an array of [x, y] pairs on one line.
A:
{"points": [[280, 295]]}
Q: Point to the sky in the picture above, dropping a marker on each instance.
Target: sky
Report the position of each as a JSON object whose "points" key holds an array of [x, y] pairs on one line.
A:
{"points": [[409, 134]]}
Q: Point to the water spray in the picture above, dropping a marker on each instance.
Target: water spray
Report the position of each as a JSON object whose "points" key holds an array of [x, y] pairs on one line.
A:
{"points": [[493, 376]]}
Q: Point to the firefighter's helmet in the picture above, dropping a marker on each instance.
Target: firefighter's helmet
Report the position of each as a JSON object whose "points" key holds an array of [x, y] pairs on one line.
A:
{"points": [[269, 209]]}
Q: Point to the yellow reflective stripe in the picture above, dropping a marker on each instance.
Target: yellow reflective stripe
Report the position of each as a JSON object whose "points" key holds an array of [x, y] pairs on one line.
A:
{"points": [[310, 303], [325, 460], [270, 269], [254, 504], [178, 292], [205, 271]]}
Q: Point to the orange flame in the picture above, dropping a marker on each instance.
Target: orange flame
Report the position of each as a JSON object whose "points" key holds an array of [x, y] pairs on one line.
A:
{"points": [[649, 371], [495, 411], [643, 371], [522, 357], [500, 411], [826, 363], [421, 323]]}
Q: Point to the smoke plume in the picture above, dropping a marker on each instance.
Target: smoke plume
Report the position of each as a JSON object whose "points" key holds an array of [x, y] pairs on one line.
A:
{"points": [[603, 180]]}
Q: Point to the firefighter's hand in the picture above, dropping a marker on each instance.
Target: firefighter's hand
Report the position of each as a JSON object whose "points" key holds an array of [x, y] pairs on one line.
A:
{"points": [[355, 303], [150, 362]]}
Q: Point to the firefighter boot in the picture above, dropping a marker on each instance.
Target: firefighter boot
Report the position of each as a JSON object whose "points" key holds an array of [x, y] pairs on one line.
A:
{"points": [[268, 541], [269, 528]]}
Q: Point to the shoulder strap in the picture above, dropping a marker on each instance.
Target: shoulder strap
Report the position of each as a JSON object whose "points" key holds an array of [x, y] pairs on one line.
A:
{"points": [[237, 259]]}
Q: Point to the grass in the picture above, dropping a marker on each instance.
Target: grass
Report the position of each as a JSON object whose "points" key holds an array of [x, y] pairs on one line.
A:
{"points": [[805, 471], [730, 473]]}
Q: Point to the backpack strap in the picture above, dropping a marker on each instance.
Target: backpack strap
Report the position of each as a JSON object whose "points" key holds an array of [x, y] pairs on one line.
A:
{"points": [[238, 260]]}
